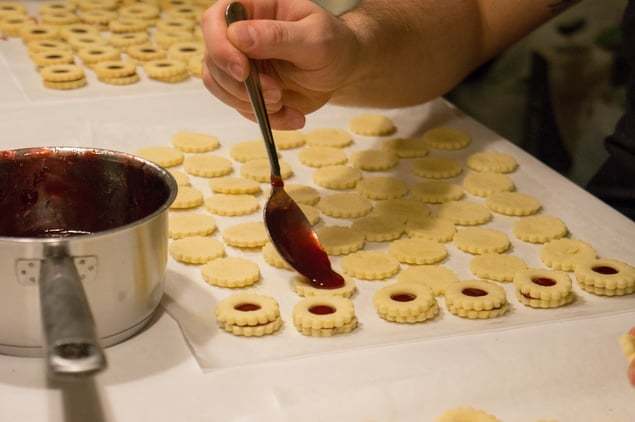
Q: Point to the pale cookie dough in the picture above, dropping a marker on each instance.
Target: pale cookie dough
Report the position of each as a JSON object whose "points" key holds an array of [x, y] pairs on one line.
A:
{"points": [[606, 274], [370, 265], [381, 228], [403, 209], [337, 177], [288, 139], [180, 178], [312, 214], [302, 194], [231, 205], [406, 147], [540, 229], [436, 277], [234, 185], [260, 171], [323, 312], [417, 251], [464, 213], [431, 228], [248, 150], [374, 159], [322, 156], [187, 197], [194, 142], [339, 240], [436, 168], [627, 342], [345, 205], [382, 187], [196, 250], [492, 161], [207, 165], [249, 314], [466, 414], [564, 254], [475, 299], [485, 184], [231, 272], [436, 191], [513, 203], [246, 235], [496, 267], [302, 286], [407, 303], [478, 241], [187, 225], [273, 258], [446, 138], [163, 156], [538, 288], [372, 125], [329, 137]]}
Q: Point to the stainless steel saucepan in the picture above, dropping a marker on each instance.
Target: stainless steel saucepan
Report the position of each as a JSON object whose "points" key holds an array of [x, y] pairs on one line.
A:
{"points": [[83, 234]]}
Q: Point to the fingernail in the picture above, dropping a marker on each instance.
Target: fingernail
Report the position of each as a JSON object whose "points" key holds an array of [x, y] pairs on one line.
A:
{"points": [[272, 95], [236, 71], [244, 36]]}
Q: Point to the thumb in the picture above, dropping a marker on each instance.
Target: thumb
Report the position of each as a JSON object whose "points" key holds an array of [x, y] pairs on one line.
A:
{"points": [[305, 43]]}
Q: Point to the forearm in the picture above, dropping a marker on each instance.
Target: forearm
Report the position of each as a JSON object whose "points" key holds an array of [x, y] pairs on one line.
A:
{"points": [[416, 50]]}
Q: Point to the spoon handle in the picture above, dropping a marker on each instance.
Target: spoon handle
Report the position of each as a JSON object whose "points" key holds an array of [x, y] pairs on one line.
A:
{"points": [[236, 12]]}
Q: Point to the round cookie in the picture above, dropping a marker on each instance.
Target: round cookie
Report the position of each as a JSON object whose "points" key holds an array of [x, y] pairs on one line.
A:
{"points": [[207, 165], [464, 213], [288, 139], [380, 228], [436, 191], [187, 197], [436, 168], [303, 194], [496, 267], [435, 277], [486, 184], [248, 150], [370, 265], [540, 229], [260, 170], [446, 138], [311, 213], [340, 240], [476, 299], [163, 156], [231, 272], [180, 178], [437, 229], [345, 205], [417, 251], [273, 258], [382, 187], [303, 288], [324, 315], [405, 303], [187, 225], [196, 250], [329, 137], [513, 203], [194, 142], [403, 209], [538, 288], [231, 185], [492, 161], [374, 159], [246, 235], [564, 254], [231, 205], [406, 147], [372, 125], [322, 156], [478, 240], [610, 276], [249, 314], [337, 177]]}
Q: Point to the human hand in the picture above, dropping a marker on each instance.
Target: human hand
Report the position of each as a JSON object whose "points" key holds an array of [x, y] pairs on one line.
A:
{"points": [[309, 55], [631, 367]]}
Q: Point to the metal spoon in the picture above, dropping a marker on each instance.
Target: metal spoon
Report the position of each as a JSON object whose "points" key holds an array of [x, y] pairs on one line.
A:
{"points": [[288, 227]]}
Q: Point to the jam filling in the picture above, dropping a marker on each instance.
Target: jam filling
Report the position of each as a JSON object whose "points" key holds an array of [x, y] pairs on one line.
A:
{"points": [[247, 307], [403, 297], [544, 281], [321, 310], [473, 292], [603, 269]]}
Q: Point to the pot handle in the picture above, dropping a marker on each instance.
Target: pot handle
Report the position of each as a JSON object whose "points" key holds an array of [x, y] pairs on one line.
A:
{"points": [[72, 348]]}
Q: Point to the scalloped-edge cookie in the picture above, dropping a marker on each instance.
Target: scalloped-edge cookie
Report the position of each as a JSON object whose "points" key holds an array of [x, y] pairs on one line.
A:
{"points": [[539, 228], [435, 277], [542, 285], [564, 254], [432, 228], [370, 265], [288, 139], [162, 156], [248, 151], [464, 213], [249, 314], [492, 161], [196, 250], [194, 142], [374, 159], [345, 205], [474, 295], [436, 167], [493, 266], [382, 187], [401, 208], [417, 251], [231, 205], [478, 240], [246, 235], [187, 225], [329, 137], [607, 274], [180, 178], [232, 272], [260, 170], [406, 147], [322, 156], [337, 177], [323, 311], [405, 303], [485, 184], [232, 185], [302, 286], [207, 165], [302, 194], [381, 228], [187, 197], [446, 138], [273, 258], [436, 191], [372, 125], [340, 240], [513, 203]]}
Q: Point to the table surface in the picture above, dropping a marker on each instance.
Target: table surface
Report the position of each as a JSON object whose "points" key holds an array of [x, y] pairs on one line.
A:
{"points": [[564, 370]]}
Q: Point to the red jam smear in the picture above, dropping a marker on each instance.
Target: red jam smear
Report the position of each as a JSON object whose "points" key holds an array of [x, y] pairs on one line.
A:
{"points": [[544, 281], [473, 292], [403, 297], [322, 310], [604, 269], [247, 307]]}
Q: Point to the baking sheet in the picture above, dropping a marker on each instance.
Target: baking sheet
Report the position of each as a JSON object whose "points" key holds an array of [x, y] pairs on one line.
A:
{"points": [[191, 301]]}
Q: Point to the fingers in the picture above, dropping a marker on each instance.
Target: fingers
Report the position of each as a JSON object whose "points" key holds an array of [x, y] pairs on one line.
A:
{"points": [[270, 87]]}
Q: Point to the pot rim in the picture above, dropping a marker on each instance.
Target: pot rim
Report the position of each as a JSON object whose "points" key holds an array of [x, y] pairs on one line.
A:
{"points": [[160, 172]]}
